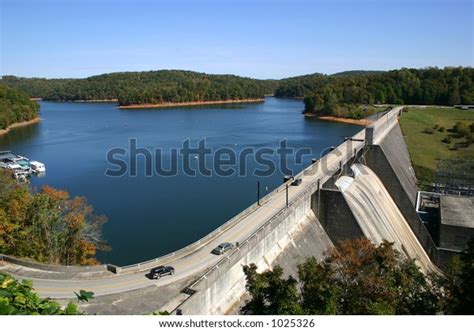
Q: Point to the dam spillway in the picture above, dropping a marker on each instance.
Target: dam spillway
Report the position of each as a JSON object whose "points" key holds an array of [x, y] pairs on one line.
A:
{"points": [[378, 216]]}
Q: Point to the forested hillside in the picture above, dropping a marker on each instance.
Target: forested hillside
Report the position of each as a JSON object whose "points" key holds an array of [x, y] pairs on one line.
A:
{"points": [[300, 86], [324, 94], [145, 87], [357, 73], [15, 106], [430, 86]]}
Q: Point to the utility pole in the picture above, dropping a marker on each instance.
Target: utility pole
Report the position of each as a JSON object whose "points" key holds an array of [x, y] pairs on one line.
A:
{"points": [[319, 196], [286, 195]]}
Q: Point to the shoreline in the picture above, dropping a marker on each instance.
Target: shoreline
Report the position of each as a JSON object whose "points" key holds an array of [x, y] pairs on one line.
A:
{"points": [[95, 101], [19, 124], [361, 122], [189, 103], [78, 101]]}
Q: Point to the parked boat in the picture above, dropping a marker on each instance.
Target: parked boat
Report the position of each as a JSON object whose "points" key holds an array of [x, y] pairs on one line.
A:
{"points": [[20, 166], [37, 167]]}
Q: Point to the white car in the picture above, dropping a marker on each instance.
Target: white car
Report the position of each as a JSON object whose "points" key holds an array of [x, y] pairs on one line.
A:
{"points": [[222, 248]]}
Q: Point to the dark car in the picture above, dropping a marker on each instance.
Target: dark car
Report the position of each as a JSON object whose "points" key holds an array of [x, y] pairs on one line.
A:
{"points": [[222, 248], [158, 272], [296, 182]]}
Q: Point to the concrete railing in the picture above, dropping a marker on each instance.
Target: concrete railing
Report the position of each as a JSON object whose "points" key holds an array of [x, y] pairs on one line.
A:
{"points": [[52, 267], [380, 128]]}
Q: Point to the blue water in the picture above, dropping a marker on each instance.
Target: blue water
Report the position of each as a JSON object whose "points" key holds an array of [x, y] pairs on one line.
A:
{"points": [[152, 216]]}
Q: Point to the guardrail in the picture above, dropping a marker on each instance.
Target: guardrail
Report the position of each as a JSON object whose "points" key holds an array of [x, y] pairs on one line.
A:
{"points": [[53, 267]]}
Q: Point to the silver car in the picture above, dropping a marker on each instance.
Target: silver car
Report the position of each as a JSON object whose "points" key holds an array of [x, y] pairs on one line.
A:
{"points": [[222, 248]]}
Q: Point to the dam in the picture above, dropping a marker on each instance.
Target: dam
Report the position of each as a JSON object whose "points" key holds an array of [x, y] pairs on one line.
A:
{"points": [[363, 187], [379, 217]]}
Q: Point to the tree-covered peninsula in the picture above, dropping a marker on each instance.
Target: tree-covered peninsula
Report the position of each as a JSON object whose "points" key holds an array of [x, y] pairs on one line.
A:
{"points": [[15, 107], [150, 87]]}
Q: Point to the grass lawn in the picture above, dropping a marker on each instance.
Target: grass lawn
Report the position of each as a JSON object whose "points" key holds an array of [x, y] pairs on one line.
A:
{"points": [[425, 148]]}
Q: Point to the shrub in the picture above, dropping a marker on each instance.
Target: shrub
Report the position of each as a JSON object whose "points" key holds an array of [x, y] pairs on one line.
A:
{"points": [[428, 131], [447, 140], [442, 129], [18, 298], [469, 140], [461, 129]]}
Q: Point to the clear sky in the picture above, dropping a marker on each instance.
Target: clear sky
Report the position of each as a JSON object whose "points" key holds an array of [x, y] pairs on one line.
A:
{"points": [[259, 38]]}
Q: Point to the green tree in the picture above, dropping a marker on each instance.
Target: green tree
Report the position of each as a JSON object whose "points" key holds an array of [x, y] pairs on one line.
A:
{"points": [[456, 289], [15, 106], [17, 298], [357, 277], [271, 294], [320, 296]]}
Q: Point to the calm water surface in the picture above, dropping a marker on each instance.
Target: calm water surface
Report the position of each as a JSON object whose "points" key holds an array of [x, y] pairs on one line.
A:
{"points": [[152, 216]]}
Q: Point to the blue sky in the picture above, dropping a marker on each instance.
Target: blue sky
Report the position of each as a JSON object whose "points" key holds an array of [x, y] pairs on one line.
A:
{"points": [[260, 38]]}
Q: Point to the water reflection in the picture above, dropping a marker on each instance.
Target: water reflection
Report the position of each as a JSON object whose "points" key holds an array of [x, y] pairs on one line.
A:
{"points": [[20, 135]]}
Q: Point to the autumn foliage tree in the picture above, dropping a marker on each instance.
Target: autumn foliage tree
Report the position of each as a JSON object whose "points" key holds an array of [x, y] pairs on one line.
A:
{"points": [[357, 277], [48, 226]]}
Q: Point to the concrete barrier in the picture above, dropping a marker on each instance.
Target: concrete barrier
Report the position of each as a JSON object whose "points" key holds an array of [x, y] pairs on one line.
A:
{"points": [[223, 285], [53, 267]]}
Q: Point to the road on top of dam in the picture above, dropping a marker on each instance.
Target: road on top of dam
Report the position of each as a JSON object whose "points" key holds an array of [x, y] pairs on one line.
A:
{"points": [[196, 263]]}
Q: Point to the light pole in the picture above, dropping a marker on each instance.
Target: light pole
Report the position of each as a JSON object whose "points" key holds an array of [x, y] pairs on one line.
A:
{"points": [[258, 192]]}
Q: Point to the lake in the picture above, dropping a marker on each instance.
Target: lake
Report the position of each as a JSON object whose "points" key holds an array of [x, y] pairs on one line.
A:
{"points": [[150, 216]]}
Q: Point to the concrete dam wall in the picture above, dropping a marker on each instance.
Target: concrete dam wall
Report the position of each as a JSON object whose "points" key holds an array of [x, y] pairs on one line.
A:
{"points": [[390, 161], [293, 233], [379, 217]]}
